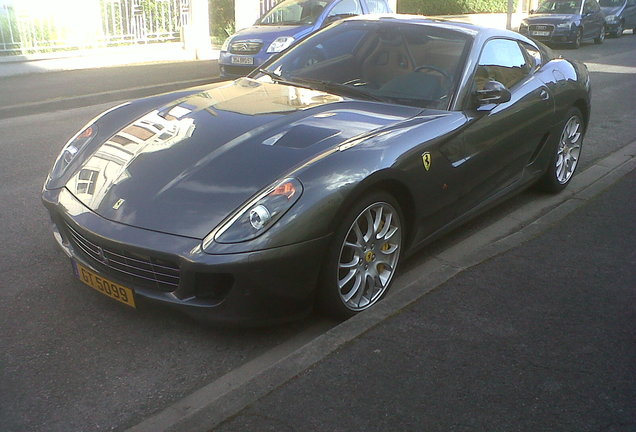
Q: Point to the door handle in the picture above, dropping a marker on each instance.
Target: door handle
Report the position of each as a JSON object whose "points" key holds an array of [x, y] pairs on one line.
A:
{"points": [[544, 95]]}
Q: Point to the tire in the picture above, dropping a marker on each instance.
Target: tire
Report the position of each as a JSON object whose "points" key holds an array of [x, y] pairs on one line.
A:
{"points": [[577, 41], [363, 256], [566, 155], [619, 31], [601, 37]]}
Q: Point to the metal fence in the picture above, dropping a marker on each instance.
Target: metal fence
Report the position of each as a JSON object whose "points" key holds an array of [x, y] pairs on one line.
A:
{"points": [[114, 22], [267, 5]]}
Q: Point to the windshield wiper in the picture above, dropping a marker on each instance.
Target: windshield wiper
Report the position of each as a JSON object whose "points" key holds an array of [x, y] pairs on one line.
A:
{"points": [[337, 88], [278, 79]]}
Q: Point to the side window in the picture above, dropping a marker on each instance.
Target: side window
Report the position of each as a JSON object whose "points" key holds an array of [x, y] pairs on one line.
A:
{"points": [[533, 55], [378, 6], [346, 7], [589, 6], [501, 60]]}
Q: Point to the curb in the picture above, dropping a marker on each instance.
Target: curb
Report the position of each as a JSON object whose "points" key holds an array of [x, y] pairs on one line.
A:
{"points": [[209, 406]]}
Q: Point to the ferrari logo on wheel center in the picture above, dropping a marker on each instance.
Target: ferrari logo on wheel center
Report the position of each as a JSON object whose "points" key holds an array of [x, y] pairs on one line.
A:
{"points": [[369, 256]]}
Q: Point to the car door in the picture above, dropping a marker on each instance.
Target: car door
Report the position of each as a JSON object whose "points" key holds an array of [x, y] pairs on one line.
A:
{"points": [[500, 140], [593, 19]]}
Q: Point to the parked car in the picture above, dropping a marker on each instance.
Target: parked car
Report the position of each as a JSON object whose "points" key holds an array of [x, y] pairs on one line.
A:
{"points": [[307, 183], [565, 22], [284, 25], [619, 15]]}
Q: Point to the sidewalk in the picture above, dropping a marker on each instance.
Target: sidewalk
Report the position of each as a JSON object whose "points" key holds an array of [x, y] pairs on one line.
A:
{"points": [[539, 338], [97, 58]]}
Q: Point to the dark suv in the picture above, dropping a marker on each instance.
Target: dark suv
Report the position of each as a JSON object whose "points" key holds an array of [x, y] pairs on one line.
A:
{"points": [[619, 15], [565, 22]]}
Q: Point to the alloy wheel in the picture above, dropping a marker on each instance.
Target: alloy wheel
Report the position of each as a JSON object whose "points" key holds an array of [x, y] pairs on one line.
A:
{"points": [[369, 256], [569, 149]]}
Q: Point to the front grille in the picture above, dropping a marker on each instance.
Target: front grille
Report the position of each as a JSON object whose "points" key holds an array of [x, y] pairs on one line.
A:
{"points": [[246, 47], [139, 269], [549, 28]]}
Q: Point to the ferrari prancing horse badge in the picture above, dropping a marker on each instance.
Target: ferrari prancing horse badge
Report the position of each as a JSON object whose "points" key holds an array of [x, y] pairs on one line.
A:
{"points": [[426, 158]]}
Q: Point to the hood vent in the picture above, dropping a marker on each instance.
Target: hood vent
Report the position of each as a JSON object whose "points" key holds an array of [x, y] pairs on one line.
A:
{"points": [[301, 136]]}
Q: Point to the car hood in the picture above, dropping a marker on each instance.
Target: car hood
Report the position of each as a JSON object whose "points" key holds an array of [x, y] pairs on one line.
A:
{"points": [[610, 10], [184, 167], [550, 18], [268, 33]]}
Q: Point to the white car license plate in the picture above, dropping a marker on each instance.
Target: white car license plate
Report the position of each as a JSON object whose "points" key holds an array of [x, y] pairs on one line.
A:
{"points": [[540, 33], [242, 60]]}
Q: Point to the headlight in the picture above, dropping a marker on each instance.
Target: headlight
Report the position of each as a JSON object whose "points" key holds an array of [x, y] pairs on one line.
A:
{"points": [[523, 26], [611, 19], [226, 44], [565, 25], [71, 149], [258, 215], [280, 44]]}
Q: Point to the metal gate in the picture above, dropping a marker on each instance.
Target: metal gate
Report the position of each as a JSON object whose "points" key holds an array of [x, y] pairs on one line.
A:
{"points": [[115, 22], [143, 21]]}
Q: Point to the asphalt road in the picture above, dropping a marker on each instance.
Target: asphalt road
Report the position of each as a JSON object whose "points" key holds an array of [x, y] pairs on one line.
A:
{"points": [[72, 360]]}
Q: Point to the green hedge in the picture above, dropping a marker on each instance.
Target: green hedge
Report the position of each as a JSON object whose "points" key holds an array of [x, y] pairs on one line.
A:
{"points": [[451, 7], [221, 19]]}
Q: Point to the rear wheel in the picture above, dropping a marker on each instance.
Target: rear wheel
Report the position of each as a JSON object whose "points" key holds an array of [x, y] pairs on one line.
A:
{"points": [[601, 36], [566, 155], [363, 257]]}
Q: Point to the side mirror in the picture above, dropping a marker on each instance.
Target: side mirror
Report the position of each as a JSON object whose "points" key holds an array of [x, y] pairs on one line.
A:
{"points": [[494, 92], [531, 11]]}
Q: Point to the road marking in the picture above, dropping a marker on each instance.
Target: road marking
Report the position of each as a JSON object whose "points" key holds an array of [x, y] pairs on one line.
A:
{"points": [[608, 68]]}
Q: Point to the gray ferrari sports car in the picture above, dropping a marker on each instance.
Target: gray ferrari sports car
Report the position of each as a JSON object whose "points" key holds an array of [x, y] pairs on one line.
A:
{"points": [[308, 181]]}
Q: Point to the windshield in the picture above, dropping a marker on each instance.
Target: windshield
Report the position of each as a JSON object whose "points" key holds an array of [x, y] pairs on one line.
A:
{"points": [[611, 3], [294, 12], [560, 7], [409, 64]]}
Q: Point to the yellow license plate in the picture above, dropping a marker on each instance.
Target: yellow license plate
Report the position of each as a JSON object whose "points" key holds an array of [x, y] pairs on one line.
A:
{"points": [[104, 286]]}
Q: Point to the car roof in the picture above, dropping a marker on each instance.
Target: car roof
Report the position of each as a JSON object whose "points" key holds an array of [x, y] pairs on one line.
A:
{"points": [[448, 23]]}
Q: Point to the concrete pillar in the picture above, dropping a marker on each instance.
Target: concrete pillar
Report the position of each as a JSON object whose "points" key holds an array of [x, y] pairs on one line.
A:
{"points": [[197, 32], [246, 12]]}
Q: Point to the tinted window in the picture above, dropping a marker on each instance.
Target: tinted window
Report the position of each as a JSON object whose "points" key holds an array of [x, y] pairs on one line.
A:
{"points": [[501, 60], [409, 64], [533, 54], [591, 6]]}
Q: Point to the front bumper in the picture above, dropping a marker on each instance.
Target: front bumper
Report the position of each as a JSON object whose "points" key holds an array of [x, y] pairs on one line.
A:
{"points": [[556, 36], [612, 27], [252, 288], [229, 69]]}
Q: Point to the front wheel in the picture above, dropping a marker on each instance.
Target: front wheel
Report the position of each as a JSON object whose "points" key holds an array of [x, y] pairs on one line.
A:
{"points": [[363, 257], [566, 155], [578, 40], [619, 31]]}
